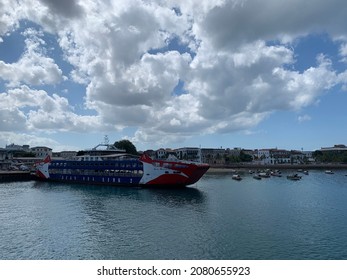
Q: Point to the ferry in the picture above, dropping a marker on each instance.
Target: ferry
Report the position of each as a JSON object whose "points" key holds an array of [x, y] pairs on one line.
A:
{"points": [[111, 167]]}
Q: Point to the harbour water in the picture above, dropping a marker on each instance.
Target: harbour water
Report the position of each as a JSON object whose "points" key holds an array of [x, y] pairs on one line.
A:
{"points": [[218, 218]]}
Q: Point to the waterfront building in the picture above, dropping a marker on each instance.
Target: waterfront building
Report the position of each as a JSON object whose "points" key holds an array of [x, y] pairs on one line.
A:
{"points": [[213, 156], [5, 154], [14, 147], [248, 152], [67, 154], [232, 152], [5, 157], [336, 148], [150, 153], [41, 151], [161, 154], [189, 153], [264, 156], [280, 156]]}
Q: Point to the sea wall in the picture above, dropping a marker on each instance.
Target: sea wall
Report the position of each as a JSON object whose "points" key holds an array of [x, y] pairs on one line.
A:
{"points": [[13, 176]]}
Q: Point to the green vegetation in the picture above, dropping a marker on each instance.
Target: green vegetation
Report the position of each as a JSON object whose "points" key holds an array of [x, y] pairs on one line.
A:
{"points": [[23, 154], [331, 156], [245, 157], [126, 145], [242, 157], [80, 153]]}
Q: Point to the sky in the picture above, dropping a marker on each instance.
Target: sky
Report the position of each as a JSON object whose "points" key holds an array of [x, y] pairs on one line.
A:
{"points": [[170, 74]]}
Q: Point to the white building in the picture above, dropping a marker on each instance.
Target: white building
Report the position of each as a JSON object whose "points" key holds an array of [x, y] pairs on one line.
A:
{"points": [[5, 154], [68, 154], [336, 148], [161, 154], [308, 156], [189, 153], [41, 151], [264, 156], [14, 147]]}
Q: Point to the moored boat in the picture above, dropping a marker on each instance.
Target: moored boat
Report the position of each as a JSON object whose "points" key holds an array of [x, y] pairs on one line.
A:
{"points": [[276, 174], [236, 177], [294, 177], [328, 172], [121, 169], [264, 175]]}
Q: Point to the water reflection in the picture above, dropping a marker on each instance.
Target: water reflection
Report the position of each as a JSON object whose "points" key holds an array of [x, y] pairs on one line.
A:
{"points": [[181, 197], [176, 196]]}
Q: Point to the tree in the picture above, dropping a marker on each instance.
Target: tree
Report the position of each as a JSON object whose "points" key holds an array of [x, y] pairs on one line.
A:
{"points": [[81, 153], [245, 157], [127, 146], [331, 156], [23, 154]]}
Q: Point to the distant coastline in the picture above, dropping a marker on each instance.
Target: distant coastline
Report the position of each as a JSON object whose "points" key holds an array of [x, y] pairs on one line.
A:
{"points": [[229, 168]]}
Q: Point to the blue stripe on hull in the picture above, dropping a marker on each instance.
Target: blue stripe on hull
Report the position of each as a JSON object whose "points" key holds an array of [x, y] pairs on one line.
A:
{"points": [[106, 180]]}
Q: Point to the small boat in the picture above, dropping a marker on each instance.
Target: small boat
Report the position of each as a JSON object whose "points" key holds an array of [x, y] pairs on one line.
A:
{"points": [[328, 172], [294, 177], [276, 174], [305, 172], [257, 177], [236, 177], [264, 175]]}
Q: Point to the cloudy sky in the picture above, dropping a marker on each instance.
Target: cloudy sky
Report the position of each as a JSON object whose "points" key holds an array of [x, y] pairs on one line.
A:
{"points": [[230, 73]]}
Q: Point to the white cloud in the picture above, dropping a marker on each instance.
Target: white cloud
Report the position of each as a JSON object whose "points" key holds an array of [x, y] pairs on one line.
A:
{"points": [[235, 66], [33, 68], [8, 16], [66, 8], [33, 140], [11, 119], [304, 118], [343, 52], [34, 110], [238, 22]]}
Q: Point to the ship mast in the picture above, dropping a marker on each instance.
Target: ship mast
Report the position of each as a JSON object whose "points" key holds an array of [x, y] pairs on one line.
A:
{"points": [[106, 140]]}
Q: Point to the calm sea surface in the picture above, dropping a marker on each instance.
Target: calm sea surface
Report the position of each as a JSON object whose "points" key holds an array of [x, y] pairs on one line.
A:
{"points": [[218, 218]]}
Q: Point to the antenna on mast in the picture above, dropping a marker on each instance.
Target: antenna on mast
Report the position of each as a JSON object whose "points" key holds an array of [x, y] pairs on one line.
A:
{"points": [[106, 140]]}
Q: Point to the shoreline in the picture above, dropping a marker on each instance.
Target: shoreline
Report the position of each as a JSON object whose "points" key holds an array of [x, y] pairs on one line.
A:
{"points": [[232, 168]]}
